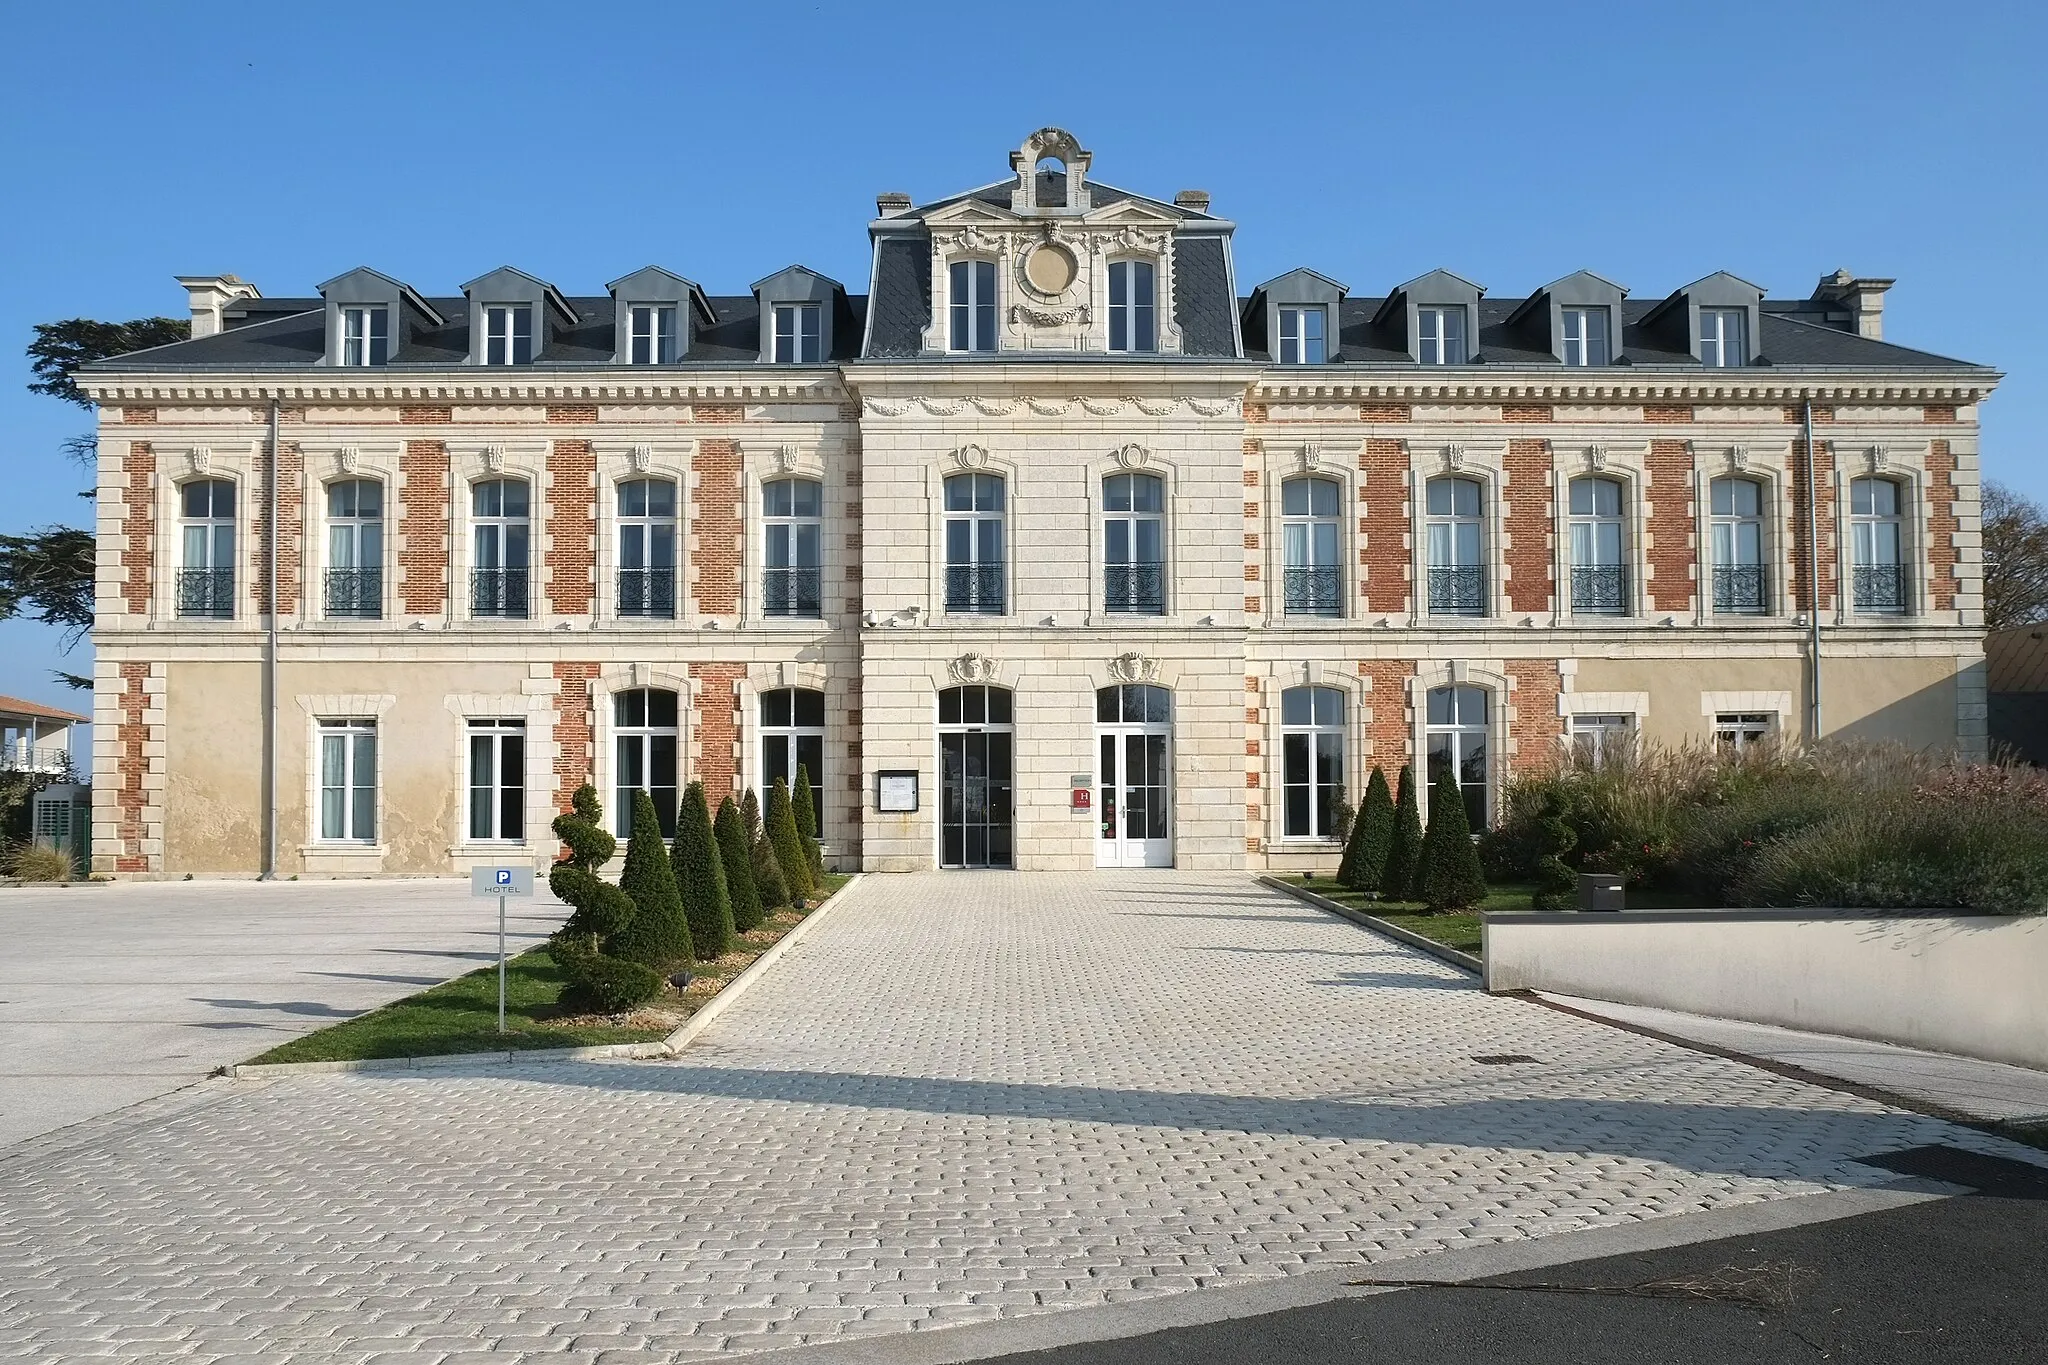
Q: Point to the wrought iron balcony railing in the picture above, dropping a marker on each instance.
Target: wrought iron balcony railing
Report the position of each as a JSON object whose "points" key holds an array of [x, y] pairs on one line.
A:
{"points": [[355, 593], [1314, 590], [1600, 589], [975, 588], [1881, 588], [498, 593], [647, 592], [206, 592], [1137, 588], [1457, 590], [792, 592], [1741, 588]]}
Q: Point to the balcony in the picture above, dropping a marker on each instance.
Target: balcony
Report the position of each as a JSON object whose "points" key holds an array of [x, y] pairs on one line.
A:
{"points": [[23, 757], [649, 593], [975, 588], [1457, 590], [355, 594], [206, 593], [1741, 589], [498, 593], [792, 592], [1881, 588], [1600, 589], [1313, 590], [1138, 588]]}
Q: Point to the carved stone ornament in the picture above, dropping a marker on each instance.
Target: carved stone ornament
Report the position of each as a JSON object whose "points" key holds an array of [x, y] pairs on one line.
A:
{"points": [[785, 458], [971, 457], [1738, 458], [348, 459], [1880, 459], [640, 457], [1132, 456], [1213, 409], [1133, 667], [201, 459], [1596, 458], [1454, 457], [1050, 317], [1311, 457], [494, 459], [886, 408], [1102, 407], [972, 668], [1047, 407]]}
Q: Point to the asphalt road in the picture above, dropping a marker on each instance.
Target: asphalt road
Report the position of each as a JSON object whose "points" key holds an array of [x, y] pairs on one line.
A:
{"points": [[1948, 1280]]}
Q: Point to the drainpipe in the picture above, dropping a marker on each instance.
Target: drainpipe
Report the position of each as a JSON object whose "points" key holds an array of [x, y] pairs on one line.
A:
{"points": [[270, 656], [1812, 584]]}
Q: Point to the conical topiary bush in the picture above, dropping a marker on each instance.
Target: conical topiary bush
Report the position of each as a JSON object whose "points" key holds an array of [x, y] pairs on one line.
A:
{"points": [[806, 803], [1451, 877], [585, 947], [738, 861], [1404, 850], [659, 935], [768, 883], [1372, 837], [701, 876], [787, 843]]}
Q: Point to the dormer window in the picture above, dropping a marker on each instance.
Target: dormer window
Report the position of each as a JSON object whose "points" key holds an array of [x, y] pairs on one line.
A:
{"points": [[653, 334], [508, 334], [1302, 333], [1584, 336], [1133, 312], [972, 296], [799, 338], [1724, 342], [365, 336], [1442, 335]]}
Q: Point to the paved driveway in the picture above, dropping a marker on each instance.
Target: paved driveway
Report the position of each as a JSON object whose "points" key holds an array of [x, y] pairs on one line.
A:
{"points": [[963, 1097], [114, 994]]}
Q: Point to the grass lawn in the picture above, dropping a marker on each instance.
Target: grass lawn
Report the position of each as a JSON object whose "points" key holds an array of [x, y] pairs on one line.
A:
{"points": [[1462, 931], [462, 1015]]}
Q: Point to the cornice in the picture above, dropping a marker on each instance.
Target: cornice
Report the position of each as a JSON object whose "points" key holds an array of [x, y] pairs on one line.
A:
{"points": [[337, 386], [1781, 386]]}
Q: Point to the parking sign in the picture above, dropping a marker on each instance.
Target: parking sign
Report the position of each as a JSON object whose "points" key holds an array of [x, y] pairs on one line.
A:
{"points": [[501, 881]]}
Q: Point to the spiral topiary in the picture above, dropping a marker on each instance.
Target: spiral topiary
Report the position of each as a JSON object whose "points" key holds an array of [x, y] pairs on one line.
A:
{"points": [[586, 947], [1556, 884]]}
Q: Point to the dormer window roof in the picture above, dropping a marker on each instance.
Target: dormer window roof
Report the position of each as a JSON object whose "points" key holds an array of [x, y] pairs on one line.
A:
{"points": [[513, 316], [1578, 319], [1716, 318], [371, 318], [802, 313], [1436, 318], [1294, 318]]}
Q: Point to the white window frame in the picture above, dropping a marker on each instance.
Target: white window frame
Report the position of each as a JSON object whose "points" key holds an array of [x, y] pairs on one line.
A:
{"points": [[1740, 730], [802, 341], [788, 528], [365, 334], [1131, 520], [643, 736], [1592, 523], [1600, 731], [629, 526], [497, 524], [1460, 734], [221, 537], [502, 327], [1321, 736], [1725, 533], [1294, 338], [1724, 338], [1866, 531], [967, 311], [975, 517], [1433, 335], [787, 736], [1302, 531], [349, 730], [1580, 346], [351, 529], [1133, 311], [1444, 527], [654, 336], [495, 730]]}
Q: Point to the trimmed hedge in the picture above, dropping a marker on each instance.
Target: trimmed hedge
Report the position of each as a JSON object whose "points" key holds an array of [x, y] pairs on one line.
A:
{"points": [[1372, 837], [701, 875], [738, 861], [787, 843], [805, 802], [1451, 878], [659, 935], [768, 882], [1404, 849], [588, 944]]}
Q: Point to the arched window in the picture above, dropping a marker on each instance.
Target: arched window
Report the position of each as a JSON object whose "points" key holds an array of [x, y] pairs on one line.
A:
{"points": [[1456, 546], [1877, 529], [1134, 543], [644, 740], [500, 524], [647, 548], [792, 737], [971, 299], [206, 567], [1312, 759], [1311, 535], [974, 544], [793, 531], [1741, 581], [355, 549], [1599, 540], [1455, 729], [1133, 307]]}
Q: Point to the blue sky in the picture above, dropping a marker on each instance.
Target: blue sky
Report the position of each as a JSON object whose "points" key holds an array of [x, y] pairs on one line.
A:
{"points": [[1512, 143]]}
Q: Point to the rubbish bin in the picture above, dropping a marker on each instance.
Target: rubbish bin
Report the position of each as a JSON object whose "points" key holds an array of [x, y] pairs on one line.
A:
{"points": [[1599, 891]]}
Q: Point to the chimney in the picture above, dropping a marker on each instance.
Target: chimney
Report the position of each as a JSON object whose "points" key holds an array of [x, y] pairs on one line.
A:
{"points": [[1864, 299], [889, 203], [210, 294], [1194, 201]]}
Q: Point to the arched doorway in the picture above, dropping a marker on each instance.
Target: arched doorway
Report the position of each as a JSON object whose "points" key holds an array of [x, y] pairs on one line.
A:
{"points": [[1134, 776], [975, 775]]}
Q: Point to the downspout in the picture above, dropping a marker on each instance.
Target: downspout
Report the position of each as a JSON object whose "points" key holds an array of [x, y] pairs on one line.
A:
{"points": [[270, 656], [1812, 584]]}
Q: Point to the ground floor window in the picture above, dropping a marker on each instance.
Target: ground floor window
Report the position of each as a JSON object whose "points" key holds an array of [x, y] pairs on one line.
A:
{"points": [[1735, 731], [1455, 725], [1312, 760], [644, 747], [497, 781], [348, 781], [1597, 738], [792, 737]]}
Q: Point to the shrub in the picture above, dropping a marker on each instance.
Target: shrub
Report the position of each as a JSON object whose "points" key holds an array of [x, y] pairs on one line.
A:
{"points": [[1556, 883], [34, 862], [738, 861], [1341, 816], [1404, 849], [1372, 837], [806, 806], [768, 883], [587, 945], [1903, 855], [606, 985], [1450, 878], [659, 934], [788, 845], [701, 875]]}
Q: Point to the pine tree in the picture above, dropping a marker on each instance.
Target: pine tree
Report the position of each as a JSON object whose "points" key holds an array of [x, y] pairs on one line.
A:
{"points": [[1404, 850], [659, 935], [806, 803], [585, 947], [768, 883], [788, 845], [1451, 878], [738, 861], [1372, 837], [701, 876]]}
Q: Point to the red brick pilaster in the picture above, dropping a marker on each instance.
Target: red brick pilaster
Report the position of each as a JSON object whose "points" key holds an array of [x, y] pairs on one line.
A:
{"points": [[1389, 734], [138, 526], [423, 521], [1671, 524], [131, 765], [1941, 526], [715, 526], [291, 520], [1537, 725], [1529, 498], [574, 761], [571, 555], [1824, 483], [1383, 522], [716, 697]]}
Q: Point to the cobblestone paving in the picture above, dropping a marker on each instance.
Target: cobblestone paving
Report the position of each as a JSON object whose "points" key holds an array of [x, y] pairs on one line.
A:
{"points": [[964, 1096]]}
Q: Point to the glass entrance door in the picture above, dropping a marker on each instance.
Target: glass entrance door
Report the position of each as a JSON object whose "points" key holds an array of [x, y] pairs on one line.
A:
{"points": [[1134, 776], [975, 776]]}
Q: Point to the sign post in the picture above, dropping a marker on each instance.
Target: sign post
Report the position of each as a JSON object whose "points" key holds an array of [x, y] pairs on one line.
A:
{"points": [[501, 882]]}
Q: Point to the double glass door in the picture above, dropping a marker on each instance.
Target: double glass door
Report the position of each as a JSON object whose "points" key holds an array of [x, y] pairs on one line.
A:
{"points": [[975, 777], [1134, 776]]}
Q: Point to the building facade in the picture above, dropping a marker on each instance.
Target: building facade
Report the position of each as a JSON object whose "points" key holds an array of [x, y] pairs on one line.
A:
{"points": [[1053, 550]]}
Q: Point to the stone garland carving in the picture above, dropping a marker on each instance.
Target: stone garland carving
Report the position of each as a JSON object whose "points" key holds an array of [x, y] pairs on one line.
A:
{"points": [[1051, 317], [1048, 407], [1154, 407], [1051, 407], [1102, 407], [993, 407]]}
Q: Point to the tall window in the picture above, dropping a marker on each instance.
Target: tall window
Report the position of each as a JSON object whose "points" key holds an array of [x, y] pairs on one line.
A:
{"points": [[974, 544], [1738, 731], [497, 781], [1455, 727], [365, 335], [1442, 334], [653, 327], [1741, 584], [1877, 533], [1132, 308], [799, 337], [348, 781], [1456, 539], [206, 568], [502, 532], [1724, 337], [1312, 759], [1134, 543], [1596, 738], [644, 741], [647, 548], [794, 531], [355, 549], [1310, 534], [971, 296], [508, 333], [1598, 531], [1302, 336], [792, 737], [1585, 335]]}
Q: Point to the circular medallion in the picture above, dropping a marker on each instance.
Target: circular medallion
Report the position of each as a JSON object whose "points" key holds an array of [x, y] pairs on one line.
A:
{"points": [[1050, 268]]}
